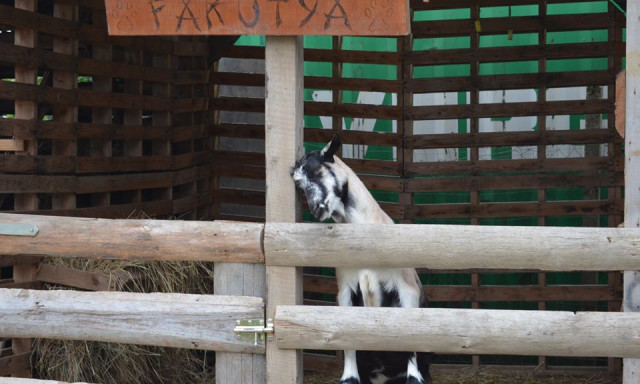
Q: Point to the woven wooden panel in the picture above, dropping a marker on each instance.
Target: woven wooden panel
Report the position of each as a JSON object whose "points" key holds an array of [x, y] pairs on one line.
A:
{"points": [[491, 112], [109, 126]]}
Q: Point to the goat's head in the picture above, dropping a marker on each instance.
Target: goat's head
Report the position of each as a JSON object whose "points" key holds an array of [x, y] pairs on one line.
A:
{"points": [[323, 181]]}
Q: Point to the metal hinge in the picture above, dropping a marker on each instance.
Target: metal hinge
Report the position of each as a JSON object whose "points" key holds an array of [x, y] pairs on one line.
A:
{"points": [[18, 229], [253, 329]]}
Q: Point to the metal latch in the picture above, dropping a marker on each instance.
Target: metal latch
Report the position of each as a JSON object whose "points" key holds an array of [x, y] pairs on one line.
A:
{"points": [[12, 229], [248, 329]]}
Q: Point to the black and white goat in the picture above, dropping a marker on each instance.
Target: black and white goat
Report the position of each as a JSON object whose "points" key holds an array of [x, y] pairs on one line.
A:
{"points": [[333, 190]]}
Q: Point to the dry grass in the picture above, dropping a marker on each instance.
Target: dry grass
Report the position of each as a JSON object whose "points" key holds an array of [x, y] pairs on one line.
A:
{"points": [[110, 363]]}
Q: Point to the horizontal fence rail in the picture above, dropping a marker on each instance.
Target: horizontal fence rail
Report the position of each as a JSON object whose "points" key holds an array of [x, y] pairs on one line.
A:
{"points": [[162, 319], [144, 240], [330, 245], [459, 331], [452, 247]]}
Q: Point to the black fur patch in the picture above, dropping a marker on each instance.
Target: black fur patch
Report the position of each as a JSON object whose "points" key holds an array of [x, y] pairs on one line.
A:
{"points": [[356, 298], [390, 299], [350, 380], [344, 195], [413, 380]]}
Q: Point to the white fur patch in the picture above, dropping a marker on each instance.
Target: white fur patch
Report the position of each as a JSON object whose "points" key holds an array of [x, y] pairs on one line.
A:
{"points": [[350, 366], [412, 369]]}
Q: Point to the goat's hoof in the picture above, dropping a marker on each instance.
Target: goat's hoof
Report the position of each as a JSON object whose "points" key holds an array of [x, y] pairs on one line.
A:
{"points": [[350, 380]]}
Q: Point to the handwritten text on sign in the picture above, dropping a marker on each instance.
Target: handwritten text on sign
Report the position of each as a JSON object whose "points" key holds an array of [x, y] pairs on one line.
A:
{"points": [[263, 17]]}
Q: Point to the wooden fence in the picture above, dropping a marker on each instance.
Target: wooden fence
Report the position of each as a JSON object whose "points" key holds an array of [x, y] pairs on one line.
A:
{"points": [[134, 119], [207, 322], [490, 113]]}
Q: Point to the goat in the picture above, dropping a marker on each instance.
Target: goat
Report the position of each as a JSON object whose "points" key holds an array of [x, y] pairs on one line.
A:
{"points": [[334, 191]]}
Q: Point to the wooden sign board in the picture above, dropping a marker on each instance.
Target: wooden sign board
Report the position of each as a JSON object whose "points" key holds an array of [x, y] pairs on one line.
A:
{"points": [[258, 17]]}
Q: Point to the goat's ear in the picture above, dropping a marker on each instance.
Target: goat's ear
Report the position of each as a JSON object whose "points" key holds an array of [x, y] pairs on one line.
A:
{"points": [[331, 148]]}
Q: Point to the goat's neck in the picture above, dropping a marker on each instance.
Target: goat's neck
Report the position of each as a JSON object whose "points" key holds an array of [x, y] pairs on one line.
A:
{"points": [[362, 207]]}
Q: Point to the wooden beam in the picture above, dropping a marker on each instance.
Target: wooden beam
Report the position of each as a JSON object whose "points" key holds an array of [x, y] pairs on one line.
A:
{"points": [[621, 104], [17, 260], [452, 247], [238, 279], [15, 363], [25, 109], [631, 300], [246, 280], [161, 319], [12, 145], [65, 79], [136, 239], [459, 331], [283, 146], [70, 277]]}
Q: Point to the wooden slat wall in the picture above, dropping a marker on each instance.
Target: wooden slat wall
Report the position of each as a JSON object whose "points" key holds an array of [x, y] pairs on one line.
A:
{"points": [[104, 109], [599, 174], [96, 126]]}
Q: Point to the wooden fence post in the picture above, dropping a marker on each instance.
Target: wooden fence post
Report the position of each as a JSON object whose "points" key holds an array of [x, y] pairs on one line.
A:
{"points": [[631, 301], [26, 110], [283, 146]]}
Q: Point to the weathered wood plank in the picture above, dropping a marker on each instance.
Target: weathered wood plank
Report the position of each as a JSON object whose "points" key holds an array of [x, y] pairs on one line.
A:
{"points": [[162, 319], [198, 17], [100, 183], [452, 247], [135, 239], [527, 24], [521, 81], [15, 260], [70, 277], [283, 147], [543, 181], [495, 139], [13, 363], [501, 166], [621, 94], [631, 301], [502, 109], [12, 145], [522, 209], [26, 109], [449, 293], [506, 54], [248, 280], [459, 331]]}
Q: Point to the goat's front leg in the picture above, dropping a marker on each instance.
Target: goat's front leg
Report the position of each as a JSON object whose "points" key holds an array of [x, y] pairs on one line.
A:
{"points": [[413, 373], [350, 373], [410, 296]]}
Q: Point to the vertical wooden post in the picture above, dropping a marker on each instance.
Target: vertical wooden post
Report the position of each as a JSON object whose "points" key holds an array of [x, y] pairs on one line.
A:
{"points": [[162, 119], [26, 110], [283, 146], [67, 79], [243, 280], [542, 152], [133, 117], [101, 115], [631, 301]]}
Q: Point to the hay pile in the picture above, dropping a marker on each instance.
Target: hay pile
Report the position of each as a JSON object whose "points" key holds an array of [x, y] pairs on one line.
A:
{"points": [[110, 363]]}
